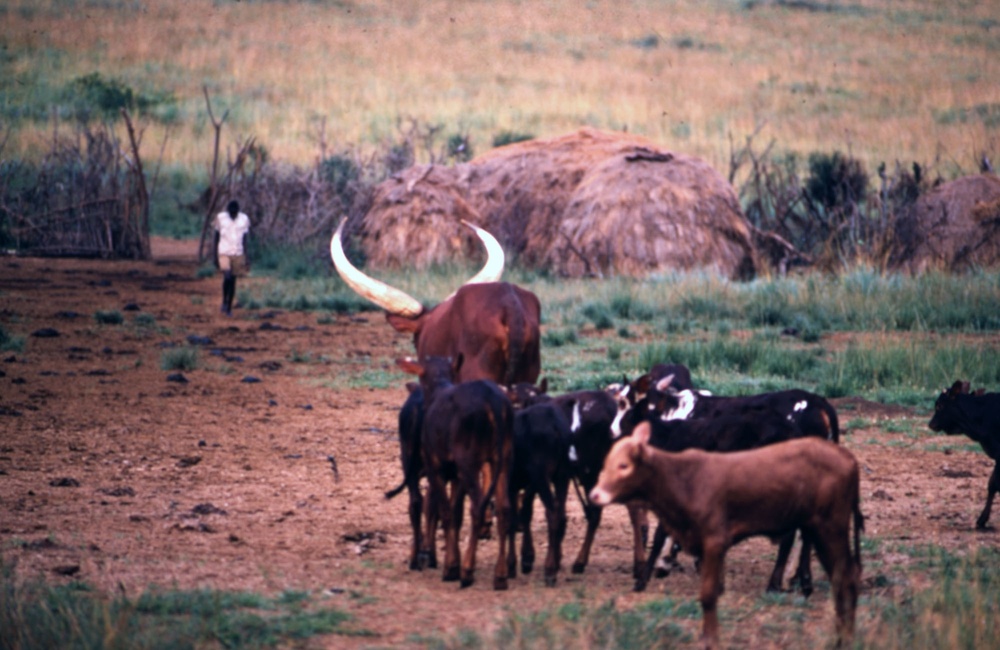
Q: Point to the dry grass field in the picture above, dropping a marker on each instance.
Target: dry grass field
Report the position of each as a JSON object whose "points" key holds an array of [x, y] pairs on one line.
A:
{"points": [[888, 81]]}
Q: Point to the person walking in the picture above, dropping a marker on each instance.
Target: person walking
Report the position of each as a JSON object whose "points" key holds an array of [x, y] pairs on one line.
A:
{"points": [[231, 230]]}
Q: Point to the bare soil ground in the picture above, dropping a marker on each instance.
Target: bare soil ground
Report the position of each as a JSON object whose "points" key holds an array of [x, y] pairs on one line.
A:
{"points": [[112, 474]]}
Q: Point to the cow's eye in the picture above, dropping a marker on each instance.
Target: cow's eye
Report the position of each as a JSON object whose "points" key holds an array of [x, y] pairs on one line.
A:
{"points": [[623, 466]]}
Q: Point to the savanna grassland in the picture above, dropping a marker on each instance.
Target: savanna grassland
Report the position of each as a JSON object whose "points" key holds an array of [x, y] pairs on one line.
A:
{"points": [[907, 81]]}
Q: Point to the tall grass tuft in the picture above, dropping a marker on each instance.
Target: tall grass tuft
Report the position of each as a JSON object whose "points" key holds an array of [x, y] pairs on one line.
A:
{"points": [[185, 358]]}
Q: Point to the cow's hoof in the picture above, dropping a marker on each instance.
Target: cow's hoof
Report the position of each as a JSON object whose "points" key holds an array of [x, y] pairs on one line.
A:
{"points": [[639, 586], [450, 575], [467, 580], [578, 567], [983, 524], [550, 581], [526, 567], [423, 561], [499, 583]]}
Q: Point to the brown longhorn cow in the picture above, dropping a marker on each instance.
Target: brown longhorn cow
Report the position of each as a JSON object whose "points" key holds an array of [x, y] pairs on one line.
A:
{"points": [[492, 325]]}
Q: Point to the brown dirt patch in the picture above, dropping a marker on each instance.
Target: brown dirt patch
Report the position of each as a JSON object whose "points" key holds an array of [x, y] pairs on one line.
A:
{"points": [[220, 483]]}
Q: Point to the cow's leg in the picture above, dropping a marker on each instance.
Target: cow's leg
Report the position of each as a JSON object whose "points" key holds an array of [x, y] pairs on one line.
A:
{"points": [[994, 486], [436, 497], [659, 538], [416, 511], [593, 515], [833, 548], [712, 572], [474, 491], [512, 542], [803, 574], [524, 523], [781, 563], [557, 532], [639, 517], [485, 528], [451, 519], [505, 521]]}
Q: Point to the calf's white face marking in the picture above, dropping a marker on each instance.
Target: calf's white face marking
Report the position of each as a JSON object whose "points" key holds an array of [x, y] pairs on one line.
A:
{"points": [[623, 403], [684, 408]]}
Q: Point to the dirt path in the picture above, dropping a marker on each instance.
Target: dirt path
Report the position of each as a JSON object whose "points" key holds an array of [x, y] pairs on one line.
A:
{"points": [[112, 474]]}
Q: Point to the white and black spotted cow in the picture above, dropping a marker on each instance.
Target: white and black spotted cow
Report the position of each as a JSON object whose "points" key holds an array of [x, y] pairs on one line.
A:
{"points": [[811, 413]]}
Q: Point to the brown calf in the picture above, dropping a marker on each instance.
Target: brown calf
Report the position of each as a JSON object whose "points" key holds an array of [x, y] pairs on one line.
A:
{"points": [[712, 501], [467, 427]]}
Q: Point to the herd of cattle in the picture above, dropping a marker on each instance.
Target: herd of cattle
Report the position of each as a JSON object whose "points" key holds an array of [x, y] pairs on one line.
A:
{"points": [[480, 424]]}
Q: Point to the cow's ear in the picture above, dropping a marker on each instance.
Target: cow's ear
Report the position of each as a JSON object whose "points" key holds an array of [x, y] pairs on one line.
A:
{"points": [[641, 384], [412, 386], [404, 324], [641, 433], [543, 387], [410, 365], [956, 388], [664, 384], [965, 387]]}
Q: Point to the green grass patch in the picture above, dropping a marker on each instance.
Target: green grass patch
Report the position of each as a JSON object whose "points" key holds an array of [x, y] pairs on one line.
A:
{"points": [[35, 615]]}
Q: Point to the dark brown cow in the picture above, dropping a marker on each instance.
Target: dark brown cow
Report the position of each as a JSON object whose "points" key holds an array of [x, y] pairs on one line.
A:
{"points": [[712, 501], [492, 325], [467, 427]]}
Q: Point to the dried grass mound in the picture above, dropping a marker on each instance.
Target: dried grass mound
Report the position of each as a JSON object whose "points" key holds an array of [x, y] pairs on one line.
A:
{"points": [[587, 203], [954, 227]]}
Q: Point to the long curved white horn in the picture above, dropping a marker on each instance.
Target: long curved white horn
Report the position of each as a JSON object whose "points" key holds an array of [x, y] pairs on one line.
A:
{"points": [[388, 298], [493, 268]]}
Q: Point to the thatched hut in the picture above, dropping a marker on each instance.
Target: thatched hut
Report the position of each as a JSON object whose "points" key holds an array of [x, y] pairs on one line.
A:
{"points": [[954, 227], [645, 211], [588, 203], [415, 220]]}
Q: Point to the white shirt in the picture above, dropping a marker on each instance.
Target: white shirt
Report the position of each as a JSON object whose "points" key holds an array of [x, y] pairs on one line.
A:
{"points": [[231, 232]]}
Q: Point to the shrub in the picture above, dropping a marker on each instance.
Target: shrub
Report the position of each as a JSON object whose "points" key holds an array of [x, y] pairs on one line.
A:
{"points": [[836, 180], [185, 358], [9, 342], [109, 317]]}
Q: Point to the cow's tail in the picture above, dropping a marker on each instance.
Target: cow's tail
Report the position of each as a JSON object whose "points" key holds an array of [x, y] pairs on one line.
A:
{"points": [[859, 525], [834, 423], [408, 471], [501, 441], [515, 350], [396, 490]]}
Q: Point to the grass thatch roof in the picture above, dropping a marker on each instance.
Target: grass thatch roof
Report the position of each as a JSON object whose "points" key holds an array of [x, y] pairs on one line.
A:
{"points": [[586, 203], [954, 227]]}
